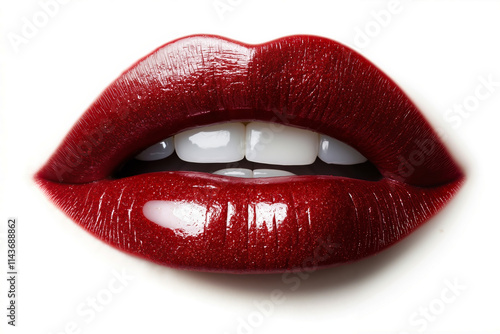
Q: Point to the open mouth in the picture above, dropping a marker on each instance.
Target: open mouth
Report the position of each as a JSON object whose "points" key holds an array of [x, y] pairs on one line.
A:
{"points": [[210, 154], [251, 150]]}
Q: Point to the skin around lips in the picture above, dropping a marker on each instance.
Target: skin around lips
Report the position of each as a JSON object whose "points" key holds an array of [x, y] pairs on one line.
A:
{"points": [[252, 225]]}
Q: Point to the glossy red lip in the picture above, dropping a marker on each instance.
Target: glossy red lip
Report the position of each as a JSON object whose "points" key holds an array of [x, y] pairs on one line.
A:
{"points": [[253, 225]]}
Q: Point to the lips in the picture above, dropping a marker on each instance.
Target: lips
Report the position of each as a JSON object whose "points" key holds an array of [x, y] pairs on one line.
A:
{"points": [[217, 223]]}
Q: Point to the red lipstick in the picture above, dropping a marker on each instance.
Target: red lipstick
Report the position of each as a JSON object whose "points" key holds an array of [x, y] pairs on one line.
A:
{"points": [[252, 225]]}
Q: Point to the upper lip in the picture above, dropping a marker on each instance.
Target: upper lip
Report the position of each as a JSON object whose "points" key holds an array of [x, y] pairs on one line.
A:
{"points": [[303, 81]]}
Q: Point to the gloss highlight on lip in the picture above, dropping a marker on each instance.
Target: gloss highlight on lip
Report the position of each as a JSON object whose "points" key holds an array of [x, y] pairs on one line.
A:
{"points": [[200, 221]]}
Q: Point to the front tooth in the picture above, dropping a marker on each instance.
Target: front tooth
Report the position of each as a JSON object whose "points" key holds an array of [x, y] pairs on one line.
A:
{"points": [[270, 173], [214, 143], [333, 151], [157, 151], [278, 144], [235, 172]]}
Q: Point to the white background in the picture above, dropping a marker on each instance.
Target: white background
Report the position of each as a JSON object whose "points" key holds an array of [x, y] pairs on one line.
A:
{"points": [[436, 51]]}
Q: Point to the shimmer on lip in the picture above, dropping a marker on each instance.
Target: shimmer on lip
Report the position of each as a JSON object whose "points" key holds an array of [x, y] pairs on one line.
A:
{"points": [[200, 221]]}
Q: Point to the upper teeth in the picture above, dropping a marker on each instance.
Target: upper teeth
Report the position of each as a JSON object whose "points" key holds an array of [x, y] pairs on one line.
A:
{"points": [[256, 141], [280, 145], [214, 143], [158, 151], [334, 151]]}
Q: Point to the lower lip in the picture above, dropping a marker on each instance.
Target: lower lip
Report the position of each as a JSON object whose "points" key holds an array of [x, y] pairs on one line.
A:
{"points": [[279, 224]]}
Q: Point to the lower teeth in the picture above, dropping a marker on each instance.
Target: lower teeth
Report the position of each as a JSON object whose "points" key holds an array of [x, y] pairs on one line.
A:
{"points": [[247, 169], [248, 173]]}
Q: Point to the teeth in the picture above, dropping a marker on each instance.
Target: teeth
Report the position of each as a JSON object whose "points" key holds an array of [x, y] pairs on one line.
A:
{"points": [[259, 142], [270, 173], [248, 173], [235, 172], [215, 143], [333, 151], [157, 151], [278, 144]]}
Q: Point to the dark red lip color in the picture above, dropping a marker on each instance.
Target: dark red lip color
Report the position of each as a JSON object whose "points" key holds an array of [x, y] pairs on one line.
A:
{"points": [[253, 225]]}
